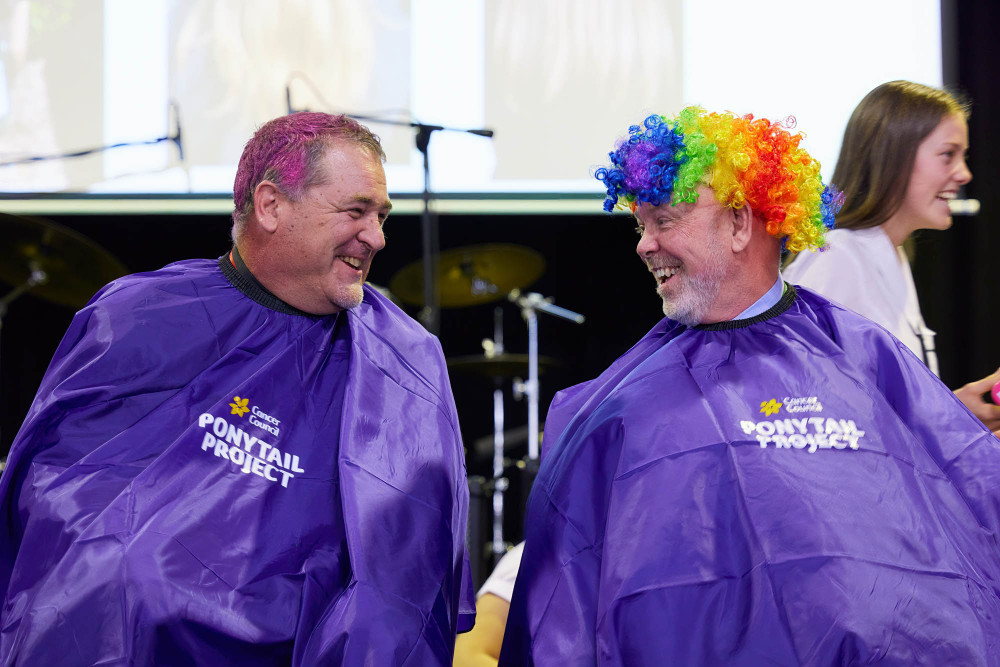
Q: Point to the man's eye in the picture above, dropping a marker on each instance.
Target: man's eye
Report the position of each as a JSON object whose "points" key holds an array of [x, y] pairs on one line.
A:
{"points": [[639, 229]]}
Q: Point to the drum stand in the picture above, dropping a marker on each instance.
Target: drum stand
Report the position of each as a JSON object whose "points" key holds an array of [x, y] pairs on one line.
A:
{"points": [[530, 304], [500, 483]]}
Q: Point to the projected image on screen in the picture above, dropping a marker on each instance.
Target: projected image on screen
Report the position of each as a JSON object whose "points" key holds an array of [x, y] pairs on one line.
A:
{"points": [[237, 63], [557, 81], [49, 94], [85, 75], [581, 69]]}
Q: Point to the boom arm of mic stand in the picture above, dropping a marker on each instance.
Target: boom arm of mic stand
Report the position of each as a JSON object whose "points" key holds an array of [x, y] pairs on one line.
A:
{"points": [[89, 151], [538, 302]]}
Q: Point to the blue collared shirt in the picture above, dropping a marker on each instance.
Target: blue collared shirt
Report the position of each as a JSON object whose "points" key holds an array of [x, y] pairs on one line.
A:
{"points": [[771, 297]]}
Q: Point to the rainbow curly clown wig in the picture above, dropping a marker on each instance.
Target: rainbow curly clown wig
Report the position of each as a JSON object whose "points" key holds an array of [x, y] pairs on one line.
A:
{"points": [[745, 160]]}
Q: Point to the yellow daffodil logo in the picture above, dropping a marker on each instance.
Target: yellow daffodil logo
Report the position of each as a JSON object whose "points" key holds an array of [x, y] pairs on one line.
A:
{"points": [[769, 408], [239, 406]]}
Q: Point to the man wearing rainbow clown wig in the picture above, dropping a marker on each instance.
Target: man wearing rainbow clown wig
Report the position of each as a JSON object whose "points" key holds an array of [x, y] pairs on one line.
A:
{"points": [[765, 478]]}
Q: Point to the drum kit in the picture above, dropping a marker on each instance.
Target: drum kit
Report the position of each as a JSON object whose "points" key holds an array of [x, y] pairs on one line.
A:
{"points": [[482, 274]]}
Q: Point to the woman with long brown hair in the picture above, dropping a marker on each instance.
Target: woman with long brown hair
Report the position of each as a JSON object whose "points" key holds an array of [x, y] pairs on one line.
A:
{"points": [[901, 161]]}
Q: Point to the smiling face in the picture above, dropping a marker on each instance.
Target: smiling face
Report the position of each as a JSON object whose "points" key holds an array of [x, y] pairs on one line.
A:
{"points": [[324, 242], [685, 248], [939, 170]]}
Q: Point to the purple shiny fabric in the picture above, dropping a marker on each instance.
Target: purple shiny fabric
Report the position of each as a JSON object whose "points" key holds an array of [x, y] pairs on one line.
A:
{"points": [[203, 480], [801, 491]]}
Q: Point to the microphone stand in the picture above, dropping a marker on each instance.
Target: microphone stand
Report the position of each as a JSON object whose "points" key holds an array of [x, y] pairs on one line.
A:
{"points": [[530, 304]]}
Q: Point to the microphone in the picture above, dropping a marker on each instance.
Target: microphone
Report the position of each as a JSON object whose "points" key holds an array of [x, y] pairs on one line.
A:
{"points": [[177, 139], [963, 206], [288, 99]]}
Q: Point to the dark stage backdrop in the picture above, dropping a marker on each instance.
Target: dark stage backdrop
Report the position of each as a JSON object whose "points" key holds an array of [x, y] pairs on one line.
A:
{"points": [[590, 268], [956, 271]]}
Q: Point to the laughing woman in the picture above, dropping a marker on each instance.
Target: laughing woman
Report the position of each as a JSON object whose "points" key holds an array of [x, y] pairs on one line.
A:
{"points": [[902, 159]]}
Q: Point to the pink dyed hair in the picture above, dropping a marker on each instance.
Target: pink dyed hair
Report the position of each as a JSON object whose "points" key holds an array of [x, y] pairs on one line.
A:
{"points": [[288, 150]]}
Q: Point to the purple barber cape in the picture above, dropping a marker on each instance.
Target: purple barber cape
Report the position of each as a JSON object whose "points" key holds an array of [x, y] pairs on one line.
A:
{"points": [[206, 480], [792, 489]]}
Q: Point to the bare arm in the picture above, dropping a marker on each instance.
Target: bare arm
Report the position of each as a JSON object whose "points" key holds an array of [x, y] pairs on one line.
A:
{"points": [[480, 647]]}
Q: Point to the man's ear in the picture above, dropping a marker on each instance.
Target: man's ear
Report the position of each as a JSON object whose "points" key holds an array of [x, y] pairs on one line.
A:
{"points": [[266, 201], [742, 227]]}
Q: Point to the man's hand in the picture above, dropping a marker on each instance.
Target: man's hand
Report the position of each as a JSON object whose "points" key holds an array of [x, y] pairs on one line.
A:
{"points": [[972, 395]]}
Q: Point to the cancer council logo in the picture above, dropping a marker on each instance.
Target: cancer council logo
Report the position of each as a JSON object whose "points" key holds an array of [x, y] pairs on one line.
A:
{"points": [[769, 408], [239, 406]]}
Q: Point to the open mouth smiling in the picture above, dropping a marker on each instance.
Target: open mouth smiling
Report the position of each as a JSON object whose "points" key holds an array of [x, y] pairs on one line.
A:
{"points": [[352, 261], [664, 273], [946, 196]]}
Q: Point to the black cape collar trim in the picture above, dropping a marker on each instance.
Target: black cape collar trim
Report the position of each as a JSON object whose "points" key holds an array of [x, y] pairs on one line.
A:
{"points": [[784, 303], [241, 278]]}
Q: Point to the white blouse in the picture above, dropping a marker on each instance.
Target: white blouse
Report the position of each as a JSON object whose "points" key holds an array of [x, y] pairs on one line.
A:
{"points": [[862, 270], [501, 580]]}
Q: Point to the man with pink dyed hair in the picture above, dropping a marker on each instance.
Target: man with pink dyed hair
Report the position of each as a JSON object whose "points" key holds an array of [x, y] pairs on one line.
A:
{"points": [[254, 460]]}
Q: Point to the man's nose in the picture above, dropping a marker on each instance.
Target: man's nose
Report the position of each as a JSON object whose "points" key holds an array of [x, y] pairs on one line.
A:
{"points": [[646, 245], [371, 235]]}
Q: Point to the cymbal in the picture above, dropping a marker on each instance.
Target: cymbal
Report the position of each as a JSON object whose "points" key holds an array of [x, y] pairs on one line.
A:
{"points": [[472, 275], [512, 439], [499, 365], [75, 267]]}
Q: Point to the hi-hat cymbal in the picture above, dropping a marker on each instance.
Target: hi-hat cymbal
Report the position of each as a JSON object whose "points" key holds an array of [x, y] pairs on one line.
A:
{"points": [[499, 365], [74, 266], [472, 275]]}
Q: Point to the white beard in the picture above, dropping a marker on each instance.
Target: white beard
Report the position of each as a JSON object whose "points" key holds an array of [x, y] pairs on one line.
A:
{"points": [[697, 293]]}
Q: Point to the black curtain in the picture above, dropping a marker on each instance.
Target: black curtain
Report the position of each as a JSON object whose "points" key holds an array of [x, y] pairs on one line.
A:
{"points": [[955, 271]]}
